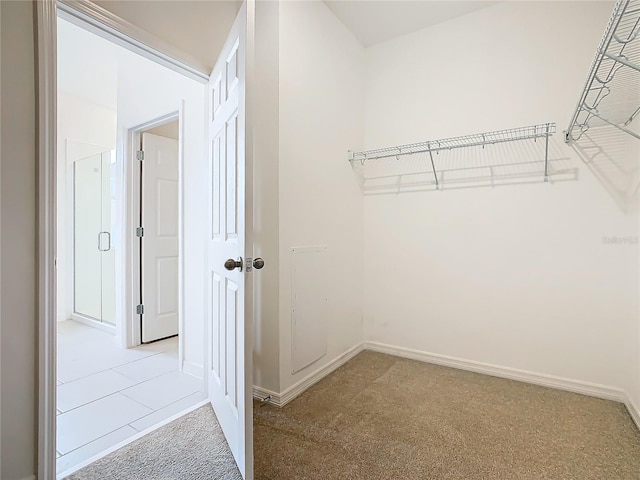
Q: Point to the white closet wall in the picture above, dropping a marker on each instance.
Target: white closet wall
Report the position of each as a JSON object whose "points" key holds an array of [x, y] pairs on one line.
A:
{"points": [[321, 110], [514, 276], [266, 363]]}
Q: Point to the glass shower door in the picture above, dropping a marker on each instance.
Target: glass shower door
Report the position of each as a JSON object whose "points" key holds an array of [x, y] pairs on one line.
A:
{"points": [[94, 219]]}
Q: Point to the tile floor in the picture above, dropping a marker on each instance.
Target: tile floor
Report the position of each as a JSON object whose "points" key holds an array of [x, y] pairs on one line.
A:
{"points": [[107, 394]]}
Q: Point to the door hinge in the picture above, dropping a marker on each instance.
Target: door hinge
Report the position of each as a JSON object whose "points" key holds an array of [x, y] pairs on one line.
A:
{"points": [[139, 309], [140, 155], [139, 232]]}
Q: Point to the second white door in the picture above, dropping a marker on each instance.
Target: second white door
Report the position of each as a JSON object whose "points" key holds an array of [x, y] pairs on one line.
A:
{"points": [[160, 222]]}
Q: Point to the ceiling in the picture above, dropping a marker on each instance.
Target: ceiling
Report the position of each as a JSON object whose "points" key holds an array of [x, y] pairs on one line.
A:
{"points": [[188, 25], [195, 27], [373, 21]]}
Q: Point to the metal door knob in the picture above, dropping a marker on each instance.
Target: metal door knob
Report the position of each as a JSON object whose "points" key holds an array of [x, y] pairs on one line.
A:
{"points": [[258, 263], [232, 264]]}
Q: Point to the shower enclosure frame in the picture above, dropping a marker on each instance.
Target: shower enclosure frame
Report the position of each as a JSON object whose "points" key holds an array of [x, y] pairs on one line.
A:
{"points": [[100, 323]]}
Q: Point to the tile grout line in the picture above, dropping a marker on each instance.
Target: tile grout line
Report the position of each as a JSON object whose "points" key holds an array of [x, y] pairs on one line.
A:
{"points": [[94, 440], [127, 425], [168, 350], [110, 368], [150, 406], [113, 368], [117, 391]]}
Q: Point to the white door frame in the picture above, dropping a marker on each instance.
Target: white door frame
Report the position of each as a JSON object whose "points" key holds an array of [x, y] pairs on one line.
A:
{"points": [[102, 22], [47, 229], [130, 330]]}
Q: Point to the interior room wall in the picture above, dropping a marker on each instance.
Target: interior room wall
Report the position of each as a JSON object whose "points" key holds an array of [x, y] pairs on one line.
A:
{"points": [[85, 128], [321, 111], [18, 275], [147, 91], [266, 363], [518, 276]]}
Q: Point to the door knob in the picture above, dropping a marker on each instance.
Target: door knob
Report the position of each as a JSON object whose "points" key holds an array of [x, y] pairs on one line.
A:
{"points": [[258, 263], [232, 264]]}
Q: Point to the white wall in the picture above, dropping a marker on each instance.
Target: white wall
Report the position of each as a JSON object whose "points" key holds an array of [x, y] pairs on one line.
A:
{"points": [[266, 363], [147, 91], [321, 112], [516, 276], [84, 129], [18, 275]]}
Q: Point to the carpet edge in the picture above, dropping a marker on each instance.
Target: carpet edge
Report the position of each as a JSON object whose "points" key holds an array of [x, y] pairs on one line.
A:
{"points": [[560, 383]]}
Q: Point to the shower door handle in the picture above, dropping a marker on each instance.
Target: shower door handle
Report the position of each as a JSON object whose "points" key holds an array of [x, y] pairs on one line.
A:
{"points": [[100, 241]]}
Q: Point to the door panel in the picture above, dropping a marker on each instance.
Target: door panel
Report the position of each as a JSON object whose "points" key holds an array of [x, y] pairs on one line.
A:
{"points": [[228, 348], [160, 220]]}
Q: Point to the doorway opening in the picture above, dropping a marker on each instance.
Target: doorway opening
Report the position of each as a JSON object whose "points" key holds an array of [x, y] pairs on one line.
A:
{"points": [[158, 232], [120, 344]]}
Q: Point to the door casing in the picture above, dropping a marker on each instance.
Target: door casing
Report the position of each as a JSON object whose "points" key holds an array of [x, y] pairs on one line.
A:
{"points": [[102, 22], [130, 331]]}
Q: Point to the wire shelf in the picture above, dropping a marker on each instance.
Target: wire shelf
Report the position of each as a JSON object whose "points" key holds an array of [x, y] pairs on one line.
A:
{"points": [[475, 140], [429, 147], [611, 95]]}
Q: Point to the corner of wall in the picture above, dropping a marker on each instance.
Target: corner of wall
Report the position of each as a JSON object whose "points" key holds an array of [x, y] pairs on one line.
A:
{"points": [[321, 84], [266, 374]]}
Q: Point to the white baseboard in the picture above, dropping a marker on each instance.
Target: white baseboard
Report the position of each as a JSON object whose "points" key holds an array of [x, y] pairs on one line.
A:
{"points": [[267, 396], [551, 381], [193, 369], [634, 411], [293, 391], [576, 386], [105, 327]]}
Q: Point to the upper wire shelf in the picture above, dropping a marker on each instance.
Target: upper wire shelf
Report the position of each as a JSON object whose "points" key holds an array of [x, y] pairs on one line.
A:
{"points": [[430, 147], [611, 95]]}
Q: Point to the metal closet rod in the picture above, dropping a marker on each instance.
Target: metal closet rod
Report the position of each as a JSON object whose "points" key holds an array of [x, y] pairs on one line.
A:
{"points": [[623, 29], [544, 130]]}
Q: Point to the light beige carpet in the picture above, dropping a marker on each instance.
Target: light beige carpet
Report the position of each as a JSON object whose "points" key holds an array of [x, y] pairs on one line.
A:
{"points": [[382, 417], [386, 418], [191, 447]]}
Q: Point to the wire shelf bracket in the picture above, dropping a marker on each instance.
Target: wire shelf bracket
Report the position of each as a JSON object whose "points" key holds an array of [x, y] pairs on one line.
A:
{"points": [[611, 93], [533, 132]]}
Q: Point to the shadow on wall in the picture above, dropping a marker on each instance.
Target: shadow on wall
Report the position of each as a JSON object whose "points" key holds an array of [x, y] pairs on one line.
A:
{"points": [[614, 158], [494, 165]]}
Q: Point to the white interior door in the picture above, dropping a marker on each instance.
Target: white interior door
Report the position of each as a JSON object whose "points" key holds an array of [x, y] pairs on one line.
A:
{"points": [[229, 230], [160, 241]]}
